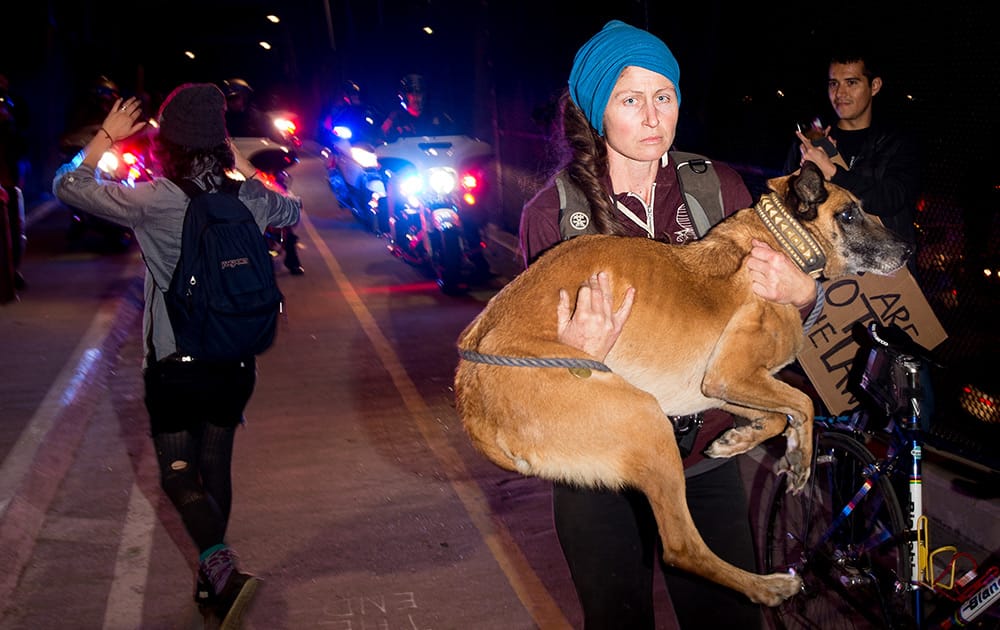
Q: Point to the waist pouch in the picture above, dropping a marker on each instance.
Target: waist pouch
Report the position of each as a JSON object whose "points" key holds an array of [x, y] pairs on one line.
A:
{"points": [[181, 395], [686, 431]]}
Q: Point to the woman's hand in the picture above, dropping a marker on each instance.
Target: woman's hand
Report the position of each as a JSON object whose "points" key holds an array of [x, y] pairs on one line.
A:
{"points": [[593, 326], [119, 124], [776, 278], [123, 119], [242, 164]]}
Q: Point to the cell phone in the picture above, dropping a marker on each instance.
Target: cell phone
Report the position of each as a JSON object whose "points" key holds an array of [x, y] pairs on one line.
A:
{"points": [[825, 144], [818, 139]]}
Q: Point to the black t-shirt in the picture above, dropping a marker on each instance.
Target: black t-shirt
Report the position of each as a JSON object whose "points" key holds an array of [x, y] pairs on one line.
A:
{"points": [[850, 142]]}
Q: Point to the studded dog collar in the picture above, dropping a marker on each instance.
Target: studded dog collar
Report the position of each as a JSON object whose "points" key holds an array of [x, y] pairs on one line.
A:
{"points": [[797, 242]]}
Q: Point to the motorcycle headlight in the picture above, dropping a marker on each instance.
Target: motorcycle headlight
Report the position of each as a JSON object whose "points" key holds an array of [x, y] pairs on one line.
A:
{"points": [[442, 180], [342, 131], [411, 185], [365, 158]]}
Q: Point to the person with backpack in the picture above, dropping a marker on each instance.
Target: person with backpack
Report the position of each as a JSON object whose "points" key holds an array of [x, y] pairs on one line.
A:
{"points": [[618, 176], [196, 385]]}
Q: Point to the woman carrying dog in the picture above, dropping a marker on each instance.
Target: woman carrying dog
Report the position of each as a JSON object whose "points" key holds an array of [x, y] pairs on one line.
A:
{"points": [[619, 118]]}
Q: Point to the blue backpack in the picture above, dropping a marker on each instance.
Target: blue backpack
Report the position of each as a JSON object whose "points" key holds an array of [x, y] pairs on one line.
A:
{"points": [[223, 299]]}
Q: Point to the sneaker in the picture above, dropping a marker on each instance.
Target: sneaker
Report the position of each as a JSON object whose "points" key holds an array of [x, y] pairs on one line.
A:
{"points": [[204, 596], [235, 599]]}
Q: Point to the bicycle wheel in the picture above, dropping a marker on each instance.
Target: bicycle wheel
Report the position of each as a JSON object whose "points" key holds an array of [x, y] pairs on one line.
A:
{"points": [[856, 575]]}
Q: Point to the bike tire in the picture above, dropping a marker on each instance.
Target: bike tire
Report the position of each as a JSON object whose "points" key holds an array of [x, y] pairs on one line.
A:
{"points": [[853, 578], [448, 262]]}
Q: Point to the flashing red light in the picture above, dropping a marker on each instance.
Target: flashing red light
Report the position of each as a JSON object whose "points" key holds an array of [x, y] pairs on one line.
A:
{"points": [[470, 181]]}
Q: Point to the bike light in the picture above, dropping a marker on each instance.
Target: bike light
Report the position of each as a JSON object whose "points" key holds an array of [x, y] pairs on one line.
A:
{"points": [[442, 180], [342, 131], [365, 158]]}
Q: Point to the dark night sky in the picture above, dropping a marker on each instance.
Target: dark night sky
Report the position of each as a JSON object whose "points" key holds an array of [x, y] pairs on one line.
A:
{"points": [[734, 57]]}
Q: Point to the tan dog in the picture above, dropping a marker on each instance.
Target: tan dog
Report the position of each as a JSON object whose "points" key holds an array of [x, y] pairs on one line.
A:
{"points": [[697, 338]]}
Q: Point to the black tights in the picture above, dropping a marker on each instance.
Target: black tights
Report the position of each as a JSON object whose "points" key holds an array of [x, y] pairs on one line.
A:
{"points": [[195, 472]]}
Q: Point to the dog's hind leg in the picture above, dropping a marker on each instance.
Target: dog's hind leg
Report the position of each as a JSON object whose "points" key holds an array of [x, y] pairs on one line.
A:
{"points": [[661, 479]]}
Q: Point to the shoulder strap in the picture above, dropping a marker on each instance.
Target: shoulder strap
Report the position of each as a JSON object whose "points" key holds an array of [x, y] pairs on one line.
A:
{"points": [[574, 209], [192, 190], [701, 189]]}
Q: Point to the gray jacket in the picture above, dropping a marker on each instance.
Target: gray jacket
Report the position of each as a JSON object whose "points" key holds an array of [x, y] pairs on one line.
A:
{"points": [[154, 211]]}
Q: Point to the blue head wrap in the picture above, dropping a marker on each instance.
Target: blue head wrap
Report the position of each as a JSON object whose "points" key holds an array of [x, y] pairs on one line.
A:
{"points": [[600, 62]]}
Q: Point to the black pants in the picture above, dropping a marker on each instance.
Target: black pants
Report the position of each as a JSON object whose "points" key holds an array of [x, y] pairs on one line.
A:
{"points": [[291, 246], [194, 409], [611, 544], [16, 221]]}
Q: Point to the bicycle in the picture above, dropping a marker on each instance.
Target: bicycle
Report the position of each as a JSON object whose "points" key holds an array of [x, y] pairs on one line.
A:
{"points": [[866, 562]]}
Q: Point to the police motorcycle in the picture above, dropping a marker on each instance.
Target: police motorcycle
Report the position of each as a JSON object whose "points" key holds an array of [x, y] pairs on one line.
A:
{"points": [[272, 161], [268, 141], [349, 134], [435, 186], [126, 162]]}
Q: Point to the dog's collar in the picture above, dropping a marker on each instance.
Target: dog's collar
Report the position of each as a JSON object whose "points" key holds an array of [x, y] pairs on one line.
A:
{"points": [[797, 242]]}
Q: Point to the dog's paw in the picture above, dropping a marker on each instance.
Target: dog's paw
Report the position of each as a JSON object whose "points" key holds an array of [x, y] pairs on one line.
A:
{"points": [[718, 448], [797, 474], [776, 588], [733, 442]]}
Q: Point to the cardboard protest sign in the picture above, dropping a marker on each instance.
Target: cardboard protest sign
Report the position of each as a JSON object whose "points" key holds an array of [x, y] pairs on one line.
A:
{"points": [[829, 348]]}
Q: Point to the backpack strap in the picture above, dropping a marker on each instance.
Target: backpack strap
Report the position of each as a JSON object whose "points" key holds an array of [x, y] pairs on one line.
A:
{"points": [[701, 189], [696, 176], [574, 209], [192, 190]]}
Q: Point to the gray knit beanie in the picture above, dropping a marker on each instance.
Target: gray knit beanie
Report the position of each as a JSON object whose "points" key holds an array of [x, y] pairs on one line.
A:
{"points": [[194, 115]]}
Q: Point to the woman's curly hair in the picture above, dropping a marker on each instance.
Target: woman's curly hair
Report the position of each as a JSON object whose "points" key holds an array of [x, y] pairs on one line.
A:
{"points": [[585, 161], [181, 162]]}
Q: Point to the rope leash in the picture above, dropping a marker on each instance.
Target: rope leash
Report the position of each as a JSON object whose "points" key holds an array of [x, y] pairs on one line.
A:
{"points": [[496, 359], [817, 309]]}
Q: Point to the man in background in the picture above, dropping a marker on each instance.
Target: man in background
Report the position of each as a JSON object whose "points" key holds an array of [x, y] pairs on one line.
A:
{"points": [[882, 162]]}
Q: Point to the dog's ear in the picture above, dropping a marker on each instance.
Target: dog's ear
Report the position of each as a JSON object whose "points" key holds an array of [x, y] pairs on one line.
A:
{"points": [[806, 191]]}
